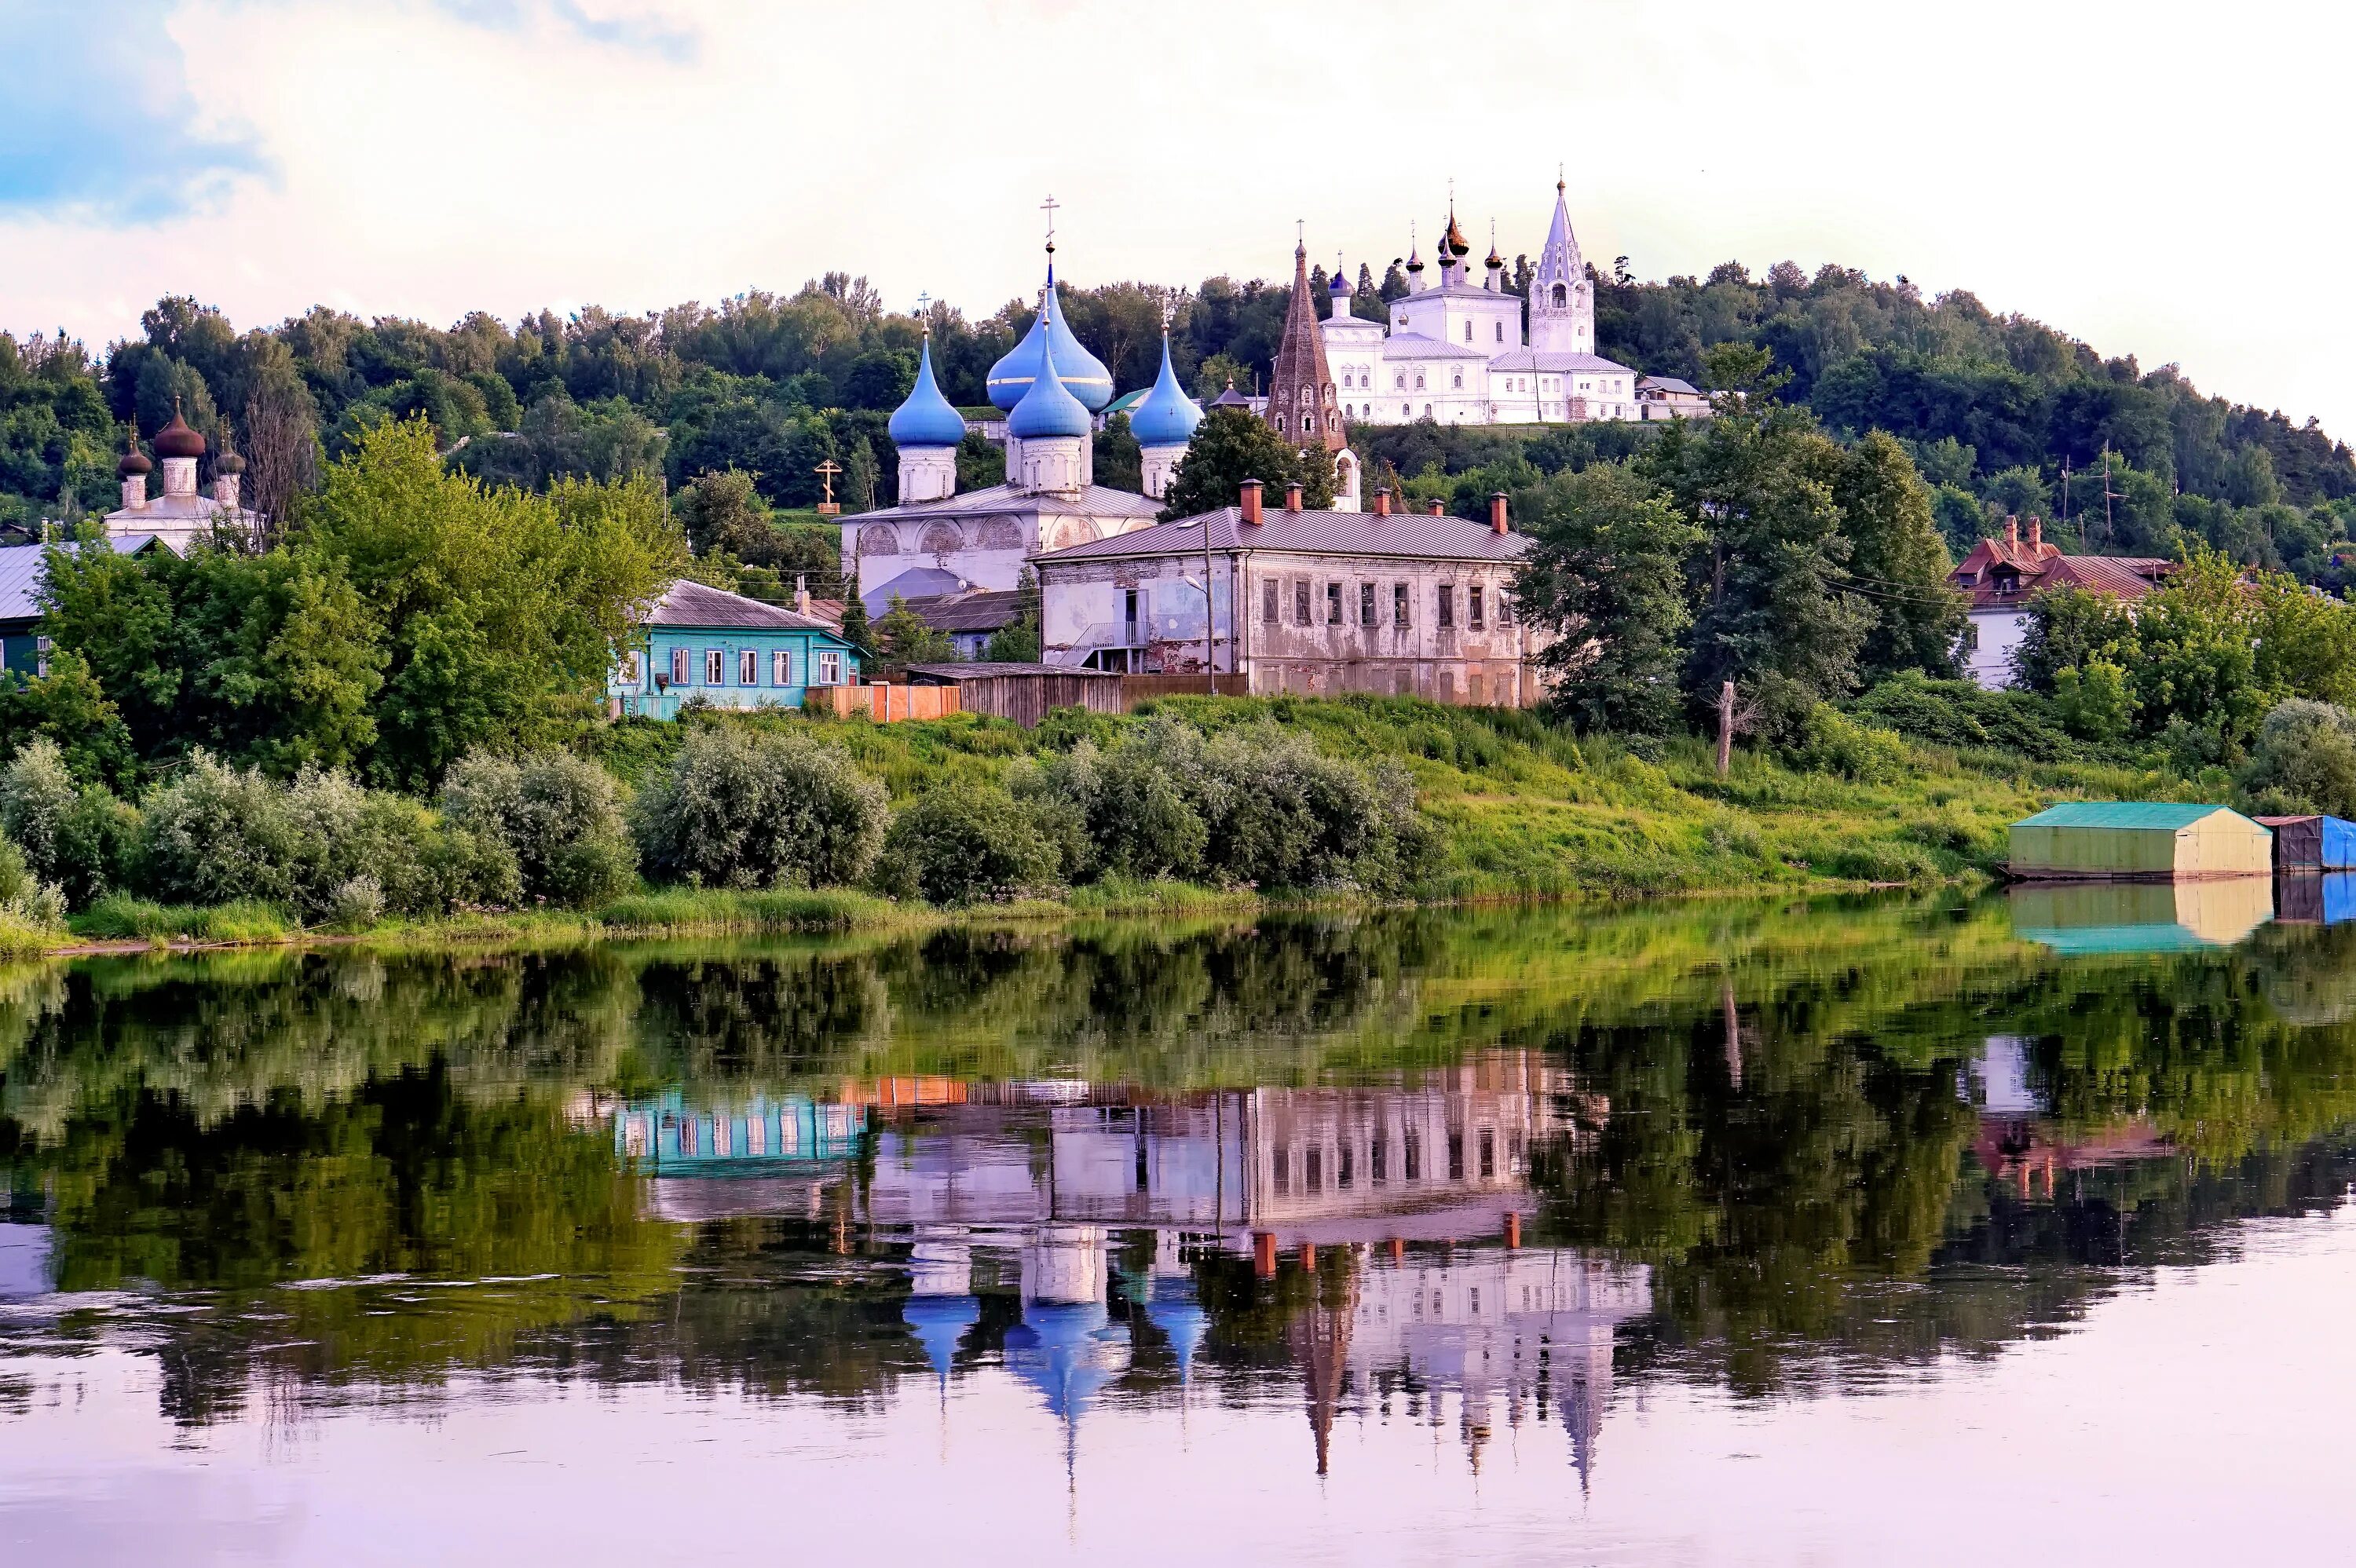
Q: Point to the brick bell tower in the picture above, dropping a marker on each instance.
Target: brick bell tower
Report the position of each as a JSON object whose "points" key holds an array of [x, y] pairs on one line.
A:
{"points": [[1301, 402]]}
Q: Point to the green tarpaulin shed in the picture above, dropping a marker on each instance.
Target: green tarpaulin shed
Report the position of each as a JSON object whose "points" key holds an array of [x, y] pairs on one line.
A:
{"points": [[2141, 839]]}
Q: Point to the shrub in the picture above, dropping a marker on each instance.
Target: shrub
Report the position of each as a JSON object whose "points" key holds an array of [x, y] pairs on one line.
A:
{"points": [[741, 808], [358, 904], [968, 845], [1259, 806], [560, 815], [419, 862], [24, 896], [1832, 742], [75, 835], [2304, 761], [1960, 713], [214, 834], [2093, 701]]}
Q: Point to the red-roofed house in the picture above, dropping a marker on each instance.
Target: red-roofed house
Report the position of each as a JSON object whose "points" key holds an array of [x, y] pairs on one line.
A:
{"points": [[2002, 575]]}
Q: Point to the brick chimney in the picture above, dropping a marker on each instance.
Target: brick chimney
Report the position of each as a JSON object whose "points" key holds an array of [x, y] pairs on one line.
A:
{"points": [[801, 592], [1382, 500], [1437, 510], [1497, 523], [2012, 530], [2036, 534], [1249, 501], [1292, 495]]}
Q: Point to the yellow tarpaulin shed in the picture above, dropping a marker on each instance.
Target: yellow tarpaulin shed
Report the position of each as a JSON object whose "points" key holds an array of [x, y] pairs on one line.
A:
{"points": [[2146, 840]]}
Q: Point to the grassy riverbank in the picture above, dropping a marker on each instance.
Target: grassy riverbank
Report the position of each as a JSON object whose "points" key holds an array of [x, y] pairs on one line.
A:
{"points": [[1519, 809]]}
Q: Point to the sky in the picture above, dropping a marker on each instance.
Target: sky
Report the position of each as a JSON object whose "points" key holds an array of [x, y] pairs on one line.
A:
{"points": [[2155, 178]]}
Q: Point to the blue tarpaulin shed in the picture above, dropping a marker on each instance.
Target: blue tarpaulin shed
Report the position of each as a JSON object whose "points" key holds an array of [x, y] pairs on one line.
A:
{"points": [[2313, 843]]}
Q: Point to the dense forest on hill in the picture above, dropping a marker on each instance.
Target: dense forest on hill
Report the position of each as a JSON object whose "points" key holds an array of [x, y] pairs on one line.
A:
{"points": [[2000, 414]]}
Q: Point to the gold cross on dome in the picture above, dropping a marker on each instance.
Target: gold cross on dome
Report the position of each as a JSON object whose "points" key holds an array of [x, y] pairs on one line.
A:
{"points": [[1049, 207]]}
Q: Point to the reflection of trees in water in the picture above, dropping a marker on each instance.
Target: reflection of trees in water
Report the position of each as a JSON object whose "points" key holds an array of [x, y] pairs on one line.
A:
{"points": [[228, 1123]]}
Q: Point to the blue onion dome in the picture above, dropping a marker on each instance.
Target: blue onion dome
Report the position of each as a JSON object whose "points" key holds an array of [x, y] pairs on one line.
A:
{"points": [[1341, 284], [1048, 408], [1168, 416], [1084, 374], [927, 418]]}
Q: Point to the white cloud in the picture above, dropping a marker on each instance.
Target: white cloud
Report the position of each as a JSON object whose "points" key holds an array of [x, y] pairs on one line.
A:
{"points": [[2151, 179]]}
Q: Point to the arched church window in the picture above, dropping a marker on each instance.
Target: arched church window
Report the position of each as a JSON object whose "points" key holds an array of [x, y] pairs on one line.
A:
{"points": [[1500, 331], [1561, 296], [1468, 332], [1309, 424], [1418, 380], [1457, 382], [1398, 381], [1407, 411]]}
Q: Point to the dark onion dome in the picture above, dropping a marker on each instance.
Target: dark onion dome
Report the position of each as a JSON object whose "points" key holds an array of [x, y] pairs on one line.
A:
{"points": [[1414, 260], [1048, 410], [927, 418], [1230, 399], [1455, 238], [1495, 260], [1168, 416], [1339, 285], [135, 462], [177, 440], [228, 463], [1084, 375]]}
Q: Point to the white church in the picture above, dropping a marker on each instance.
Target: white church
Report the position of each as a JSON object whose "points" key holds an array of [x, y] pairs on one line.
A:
{"points": [[1455, 351]]}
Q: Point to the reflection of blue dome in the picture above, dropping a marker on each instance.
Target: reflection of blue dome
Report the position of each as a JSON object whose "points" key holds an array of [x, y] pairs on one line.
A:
{"points": [[1168, 416], [1084, 374], [1048, 409], [927, 418], [1062, 1351], [940, 1322], [1171, 1308]]}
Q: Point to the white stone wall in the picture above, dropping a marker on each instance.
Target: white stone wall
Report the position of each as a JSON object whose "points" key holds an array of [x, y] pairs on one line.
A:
{"points": [[1989, 639], [927, 473]]}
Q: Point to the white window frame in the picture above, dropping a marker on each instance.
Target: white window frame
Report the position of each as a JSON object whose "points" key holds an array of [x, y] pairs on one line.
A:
{"points": [[830, 668], [631, 675], [781, 667], [748, 667], [678, 667], [715, 666]]}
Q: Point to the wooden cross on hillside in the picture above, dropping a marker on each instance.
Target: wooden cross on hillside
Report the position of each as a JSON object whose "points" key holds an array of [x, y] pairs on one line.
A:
{"points": [[826, 472]]}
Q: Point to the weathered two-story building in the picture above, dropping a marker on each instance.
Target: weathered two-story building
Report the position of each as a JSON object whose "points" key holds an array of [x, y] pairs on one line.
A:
{"points": [[1332, 602]]}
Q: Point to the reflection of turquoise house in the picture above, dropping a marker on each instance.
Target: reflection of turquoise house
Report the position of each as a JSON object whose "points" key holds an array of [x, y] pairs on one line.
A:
{"points": [[671, 1137], [731, 651]]}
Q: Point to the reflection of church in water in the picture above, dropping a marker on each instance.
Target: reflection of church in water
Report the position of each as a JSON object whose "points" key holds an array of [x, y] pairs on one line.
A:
{"points": [[1402, 1207]]}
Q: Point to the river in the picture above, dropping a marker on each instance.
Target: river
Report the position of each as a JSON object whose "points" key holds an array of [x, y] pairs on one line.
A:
{"points": [[1909, 1229]]}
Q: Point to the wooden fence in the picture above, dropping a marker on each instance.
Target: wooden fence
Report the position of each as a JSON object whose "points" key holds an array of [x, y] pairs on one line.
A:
{"points": [[886, 704], [1137, 688]]}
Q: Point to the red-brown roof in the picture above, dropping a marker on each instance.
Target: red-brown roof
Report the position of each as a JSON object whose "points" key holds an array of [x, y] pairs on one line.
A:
{"points": [[2001, 574]]}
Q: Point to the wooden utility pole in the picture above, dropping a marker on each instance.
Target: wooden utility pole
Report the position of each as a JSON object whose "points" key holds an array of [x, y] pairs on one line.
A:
{"points": [[1725, 727]]}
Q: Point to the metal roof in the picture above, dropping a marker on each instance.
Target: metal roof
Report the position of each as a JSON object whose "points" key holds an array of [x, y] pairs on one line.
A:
{"points": [[1416, 346], [2126, 816], [1406, 536], [1095, 501], [1667, 384], [1536, 359], [20, 582], [696, 604], [982, 609]]}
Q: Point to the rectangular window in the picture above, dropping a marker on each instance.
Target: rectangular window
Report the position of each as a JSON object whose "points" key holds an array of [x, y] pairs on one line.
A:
{"points": [[1312, 1169], [1269, 592], [678, 667], [1333, 604], [1300, 602], [1447, 606], [1341, 1164], [1366, 603], [1398, 605], [781, 668], [1504, 608], [715, 666], [1456, 1157], [630, 675], [1129, 614], [1488, 1153], [1282, 1172], [1414, 1170], [1473, 607], [829, 670], [1375, 1159], [748, 667]]}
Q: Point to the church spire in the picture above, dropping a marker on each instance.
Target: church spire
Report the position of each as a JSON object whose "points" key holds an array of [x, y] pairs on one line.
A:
{"points": [[1562, 301], [1300, 402]]}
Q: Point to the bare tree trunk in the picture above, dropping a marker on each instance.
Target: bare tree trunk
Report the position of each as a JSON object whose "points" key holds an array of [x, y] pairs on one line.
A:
{"points": [[281, 454], [1725, 727]]}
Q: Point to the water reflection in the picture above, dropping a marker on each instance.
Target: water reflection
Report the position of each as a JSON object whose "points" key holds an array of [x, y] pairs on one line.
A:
{"points": [[1472, 1176]]}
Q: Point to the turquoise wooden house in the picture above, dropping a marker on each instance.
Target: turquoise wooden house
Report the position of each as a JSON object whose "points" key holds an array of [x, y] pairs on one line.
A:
{"points": [[729, 650]]}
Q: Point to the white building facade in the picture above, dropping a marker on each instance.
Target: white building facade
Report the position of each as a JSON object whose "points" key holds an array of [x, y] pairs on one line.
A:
{"points": [[1455, 351]]}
